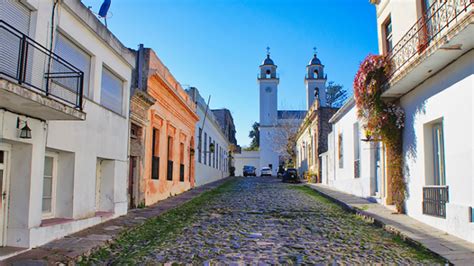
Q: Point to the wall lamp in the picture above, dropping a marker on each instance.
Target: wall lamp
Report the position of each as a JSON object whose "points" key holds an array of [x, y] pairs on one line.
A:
{"points": [[25, 131]]}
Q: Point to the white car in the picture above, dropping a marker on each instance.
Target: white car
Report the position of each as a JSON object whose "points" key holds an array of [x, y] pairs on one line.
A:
{"points": [[266, 171]]}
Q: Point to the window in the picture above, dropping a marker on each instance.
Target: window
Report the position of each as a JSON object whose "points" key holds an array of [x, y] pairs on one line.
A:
{"points": [[155, 156], [438, 155], [181, 162], [49, 186], [210, 153], [199, 145], [76, 57], [387, 29], [111, 95], [205, 148], [217, 157], [356, 150], [170, 159], [340, 150]]}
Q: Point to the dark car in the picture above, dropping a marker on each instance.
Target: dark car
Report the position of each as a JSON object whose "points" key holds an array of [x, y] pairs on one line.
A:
{"points": [[291, 175], [249, 171], [281, 171]]}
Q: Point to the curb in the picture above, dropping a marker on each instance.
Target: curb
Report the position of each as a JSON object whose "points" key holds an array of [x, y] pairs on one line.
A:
{"points": [[379, 223]]}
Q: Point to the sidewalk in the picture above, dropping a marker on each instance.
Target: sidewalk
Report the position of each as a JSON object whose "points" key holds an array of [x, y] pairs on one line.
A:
{"points": [[69, 248], [454, 249]]}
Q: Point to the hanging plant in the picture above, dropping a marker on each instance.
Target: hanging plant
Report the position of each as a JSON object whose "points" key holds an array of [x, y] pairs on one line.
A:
{"points": [[382, 120]]}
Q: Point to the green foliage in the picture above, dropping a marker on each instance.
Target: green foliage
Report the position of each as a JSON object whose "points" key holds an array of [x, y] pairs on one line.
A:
{"points": [[336, 95], [254, 134], [132, 245], [382, 120]]}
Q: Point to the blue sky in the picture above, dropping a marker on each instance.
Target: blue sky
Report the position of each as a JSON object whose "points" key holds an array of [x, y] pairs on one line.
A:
{"points": [[218, 45]]}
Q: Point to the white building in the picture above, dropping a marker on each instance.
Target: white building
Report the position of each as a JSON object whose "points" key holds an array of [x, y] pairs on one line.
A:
{"points": [[434, 84], [246, 158], [430, 46], [352, 164], [212, 147], [72, 172]]}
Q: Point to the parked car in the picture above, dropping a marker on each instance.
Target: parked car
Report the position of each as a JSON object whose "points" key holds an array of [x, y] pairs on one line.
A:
{"points": [[266, 171], [291, 175], [249, 170]]}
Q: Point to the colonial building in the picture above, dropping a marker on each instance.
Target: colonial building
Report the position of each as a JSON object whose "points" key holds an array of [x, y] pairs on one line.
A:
{"points": [[312, 140], [212, 148], [140, 103], [64, 90], [353, 164], [163, 164], [430, 48]]}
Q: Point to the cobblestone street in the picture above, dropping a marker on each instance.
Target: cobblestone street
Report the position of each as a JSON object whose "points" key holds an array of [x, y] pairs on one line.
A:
{"points": [[261, 220]]}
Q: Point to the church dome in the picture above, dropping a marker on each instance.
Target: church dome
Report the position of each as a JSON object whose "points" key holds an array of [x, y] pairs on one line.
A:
{"points": [[315, 61], [268, 61]]}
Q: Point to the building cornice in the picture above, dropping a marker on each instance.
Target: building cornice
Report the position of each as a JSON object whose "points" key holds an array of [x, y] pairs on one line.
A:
{"points": [[343, 110]]}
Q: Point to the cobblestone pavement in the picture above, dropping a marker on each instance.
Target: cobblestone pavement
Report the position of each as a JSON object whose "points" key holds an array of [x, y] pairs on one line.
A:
{"points": [[261, 220]]}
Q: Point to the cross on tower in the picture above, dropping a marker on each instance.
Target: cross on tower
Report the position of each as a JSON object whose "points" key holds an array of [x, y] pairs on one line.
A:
{"points": [[268, 50], [314, 50]]}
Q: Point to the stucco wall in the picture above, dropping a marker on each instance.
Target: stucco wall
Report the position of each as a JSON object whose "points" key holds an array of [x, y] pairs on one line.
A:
{"points": [[448, 96], [173, 114]]}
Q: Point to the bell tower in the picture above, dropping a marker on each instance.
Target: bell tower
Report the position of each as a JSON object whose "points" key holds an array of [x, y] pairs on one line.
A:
{"points": [[315, 82], [268, 83]]}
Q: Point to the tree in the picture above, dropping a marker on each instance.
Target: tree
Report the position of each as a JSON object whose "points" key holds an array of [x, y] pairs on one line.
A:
{"points": [[254, 134], [336, 95]]}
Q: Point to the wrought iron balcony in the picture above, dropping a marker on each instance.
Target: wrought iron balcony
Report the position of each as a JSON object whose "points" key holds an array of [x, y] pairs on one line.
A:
{"points": [[434, 200], [37, 68], [430, 29]]}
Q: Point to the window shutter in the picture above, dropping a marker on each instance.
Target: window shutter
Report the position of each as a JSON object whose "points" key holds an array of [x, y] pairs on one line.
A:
{"points": [[111, 91], [75, 56]]}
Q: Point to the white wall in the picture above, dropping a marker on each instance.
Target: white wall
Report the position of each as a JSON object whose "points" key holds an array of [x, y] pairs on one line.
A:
{"points": [[206, 173], [251, 158], [343, 178], [78, 144], [448, 95]]}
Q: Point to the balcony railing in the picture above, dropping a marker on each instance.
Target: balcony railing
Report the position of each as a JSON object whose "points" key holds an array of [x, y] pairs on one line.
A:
{"points": [[30, 64], [433, 25], [434, 200]]}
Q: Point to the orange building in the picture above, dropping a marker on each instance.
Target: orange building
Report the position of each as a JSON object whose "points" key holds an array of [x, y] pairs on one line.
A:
{"points": [[167, 166]]}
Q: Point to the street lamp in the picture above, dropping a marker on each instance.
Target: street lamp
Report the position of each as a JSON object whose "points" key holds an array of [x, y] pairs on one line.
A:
{"points": [[25, 131]]}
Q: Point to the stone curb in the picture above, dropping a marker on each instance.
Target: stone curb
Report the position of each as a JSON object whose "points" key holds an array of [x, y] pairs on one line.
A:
{"points": [[377, 222]]}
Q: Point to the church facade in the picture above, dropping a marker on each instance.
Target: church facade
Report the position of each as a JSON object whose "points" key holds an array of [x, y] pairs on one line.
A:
{"points": [[277, 126]]}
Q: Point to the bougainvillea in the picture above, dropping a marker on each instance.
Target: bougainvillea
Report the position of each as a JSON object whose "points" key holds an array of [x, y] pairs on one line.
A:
{"points": [[383, 120]]}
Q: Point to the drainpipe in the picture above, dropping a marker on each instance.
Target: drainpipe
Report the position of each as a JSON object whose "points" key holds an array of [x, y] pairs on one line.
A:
{"points": [[140, 60]]}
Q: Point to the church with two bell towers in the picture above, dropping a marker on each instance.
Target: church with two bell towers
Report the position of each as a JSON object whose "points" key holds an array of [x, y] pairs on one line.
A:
{"points": [[276, 126]]}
